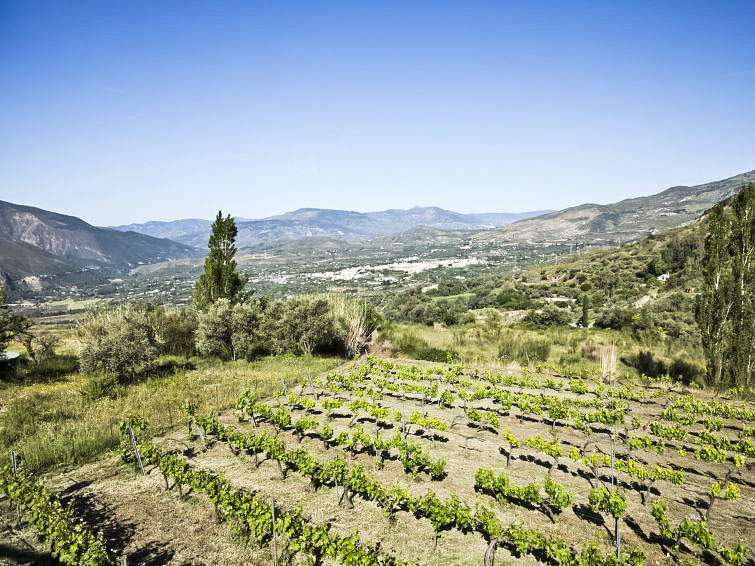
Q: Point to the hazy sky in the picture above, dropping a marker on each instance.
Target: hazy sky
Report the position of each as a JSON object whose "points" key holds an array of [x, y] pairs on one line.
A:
{"points": [[129, 111]]}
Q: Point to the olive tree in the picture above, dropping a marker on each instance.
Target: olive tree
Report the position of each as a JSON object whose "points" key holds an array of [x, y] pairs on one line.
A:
{"points": [[119, 342], [214, 331], [230, 331], [303, 325]]}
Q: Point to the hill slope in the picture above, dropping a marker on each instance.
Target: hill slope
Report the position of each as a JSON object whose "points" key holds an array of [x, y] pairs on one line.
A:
{"points": [[623, 221], [176, 230], [37, 243]]}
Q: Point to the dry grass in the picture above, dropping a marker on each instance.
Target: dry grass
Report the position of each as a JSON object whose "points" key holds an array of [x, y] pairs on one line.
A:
{"points": [[54, 424]]}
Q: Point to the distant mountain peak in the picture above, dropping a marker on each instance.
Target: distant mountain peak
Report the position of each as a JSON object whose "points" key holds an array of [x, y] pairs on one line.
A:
{"points": [[327, 222]]}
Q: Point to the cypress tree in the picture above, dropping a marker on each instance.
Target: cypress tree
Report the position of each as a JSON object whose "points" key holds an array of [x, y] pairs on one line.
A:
{"points": [[220, 279]]}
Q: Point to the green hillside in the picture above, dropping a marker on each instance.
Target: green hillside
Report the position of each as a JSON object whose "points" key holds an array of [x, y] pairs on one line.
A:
{"points": [[623, 286]]}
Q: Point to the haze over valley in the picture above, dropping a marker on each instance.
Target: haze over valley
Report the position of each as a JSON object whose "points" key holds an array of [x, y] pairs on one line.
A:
{"points": [[51, 257]]}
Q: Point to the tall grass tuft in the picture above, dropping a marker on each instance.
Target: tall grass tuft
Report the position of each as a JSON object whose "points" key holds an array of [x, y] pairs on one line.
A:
{"points": [[514, 346]]}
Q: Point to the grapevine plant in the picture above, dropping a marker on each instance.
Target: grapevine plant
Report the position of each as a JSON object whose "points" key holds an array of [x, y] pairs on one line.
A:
{"points": [[69, 539]]}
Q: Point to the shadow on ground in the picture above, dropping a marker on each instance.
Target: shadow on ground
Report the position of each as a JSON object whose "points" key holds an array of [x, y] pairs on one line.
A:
{"points": [[117, 533]]}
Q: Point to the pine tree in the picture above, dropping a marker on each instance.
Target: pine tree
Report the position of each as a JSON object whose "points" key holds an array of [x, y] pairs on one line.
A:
{"points": [[220, 279]]}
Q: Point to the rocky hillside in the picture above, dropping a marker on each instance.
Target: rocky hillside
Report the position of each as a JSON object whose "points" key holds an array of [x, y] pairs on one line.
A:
{"points": [[39, 248], [624, 221]]}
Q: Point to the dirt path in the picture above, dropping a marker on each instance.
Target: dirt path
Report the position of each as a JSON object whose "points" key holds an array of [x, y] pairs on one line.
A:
{"points": [[646, 299]]}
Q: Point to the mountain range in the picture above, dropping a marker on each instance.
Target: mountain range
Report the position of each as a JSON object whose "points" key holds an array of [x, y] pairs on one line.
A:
{"points": [[317, 222], [41, 249]]}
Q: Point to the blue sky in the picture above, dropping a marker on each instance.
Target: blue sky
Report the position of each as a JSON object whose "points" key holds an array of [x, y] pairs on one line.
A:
{"points": [[122, 112]]}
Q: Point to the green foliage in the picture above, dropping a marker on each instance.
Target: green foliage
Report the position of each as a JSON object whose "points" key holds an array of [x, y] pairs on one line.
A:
{"points": [[512, 299], [100, 386], [529, 495], [612, 502], [214, 335], [303, 325], [220, 279], [742, 353], [119, 342], [549, 315], [646, 364], [178, 329], [247, 330], [731, 492], [685, 371], [657, 266], [725, 309], [558, 497], [426, 422], [248, 336], [70, 541]]}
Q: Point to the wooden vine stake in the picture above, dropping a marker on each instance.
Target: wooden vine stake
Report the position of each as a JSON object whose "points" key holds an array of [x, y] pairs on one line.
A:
{"points": [[490, 552], [618, 541], [199, 430], [275, 538], [135, 447], [15, 468]]}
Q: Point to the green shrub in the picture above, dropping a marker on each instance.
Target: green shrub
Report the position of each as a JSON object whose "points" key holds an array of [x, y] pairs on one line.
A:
{"points": [[415, 347], [686, 371], [99, 386], [549, 315], [657, 267], [645, 363], [178, 333], [119, 341]]}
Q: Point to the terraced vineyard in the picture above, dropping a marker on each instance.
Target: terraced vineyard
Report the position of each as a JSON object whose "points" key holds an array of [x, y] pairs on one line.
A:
{"points": [[385, 463]]}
